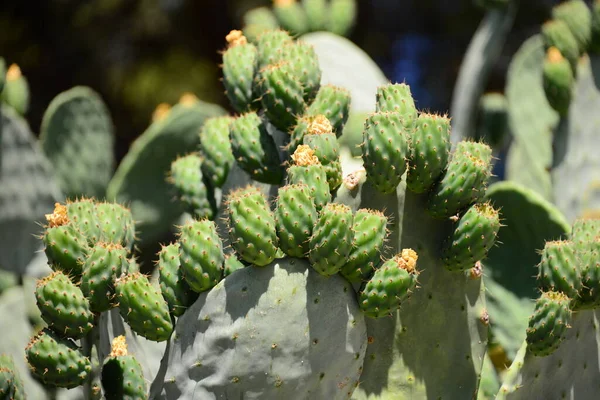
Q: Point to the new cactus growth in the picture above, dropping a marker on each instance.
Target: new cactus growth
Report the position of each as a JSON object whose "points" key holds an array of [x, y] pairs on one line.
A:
{"points": [[548, 323], [391, 283], [143, 307], [186, 177], [122, 376], [57, 362], [558, 81], [63, 306], [11, 385]]}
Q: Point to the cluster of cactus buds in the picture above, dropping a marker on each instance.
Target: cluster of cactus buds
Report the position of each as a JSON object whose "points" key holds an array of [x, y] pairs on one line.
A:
{"points": [[569, 276]]}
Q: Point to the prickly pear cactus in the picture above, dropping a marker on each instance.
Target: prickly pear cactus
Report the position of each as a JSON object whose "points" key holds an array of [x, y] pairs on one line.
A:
{"points": [[16, 90], [77, 136], [407, 254], [552, 91], [561, 364]]}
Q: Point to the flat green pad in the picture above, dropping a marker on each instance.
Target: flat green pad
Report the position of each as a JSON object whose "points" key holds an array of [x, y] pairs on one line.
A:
{"points": [[77, 136]]}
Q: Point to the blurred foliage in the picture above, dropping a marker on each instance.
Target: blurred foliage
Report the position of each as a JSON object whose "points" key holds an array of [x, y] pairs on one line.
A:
{"points": [[139, 53]]}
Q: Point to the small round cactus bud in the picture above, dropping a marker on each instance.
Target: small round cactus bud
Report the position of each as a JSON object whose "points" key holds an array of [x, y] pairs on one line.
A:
{"points": [[16, 90], [559, 268], [122, 375], [254, 148], [473, 237], [307, 169], [63, 306], [557, 34], [57, 362], [370, 230], [295, 216], [187, 181], [143, 308], [201, 254], [291, 16], [548, 324], [558, 81], [331, 241], [391, 284], [323, 141], [252, 226], [240, 66]]}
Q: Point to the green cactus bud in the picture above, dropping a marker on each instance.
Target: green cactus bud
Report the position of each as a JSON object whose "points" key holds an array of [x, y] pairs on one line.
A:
{"points": [[282, 94], [254, 149], [252, 226], [589, 259], [63, 306], [187, 180], [322, 140], [291, 16], [65, 246], [548, 324], [173, 287], [473, 237], [215, 146], [308, 170], [558, 81], [104, 263], [390, 285], [122, 375], [557, 34], [397, 98], [342, 16], [231, 265], [464, 182], [578, 17], [331, 241], [370, 230], [11, 385], [317, 12], [385, 150], [304, 64], [116, 224], [57, 362], [594, 46], [334, 103], [16, 90], [295, 216], [240, 65], [201, 254], [143, 308], [269, 45], [430, 151], [558, 268], [82, 214]]}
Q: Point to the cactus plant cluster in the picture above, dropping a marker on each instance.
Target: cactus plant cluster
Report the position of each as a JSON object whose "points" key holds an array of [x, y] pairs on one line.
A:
{"points": [[299, 17], [297, 269]]}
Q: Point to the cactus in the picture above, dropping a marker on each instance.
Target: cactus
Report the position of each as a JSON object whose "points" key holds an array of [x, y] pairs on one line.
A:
{"points": [[16, 90], [57, 362], [77, 136], [187, 180], [550, 111], [122, 376], [11, 385]]}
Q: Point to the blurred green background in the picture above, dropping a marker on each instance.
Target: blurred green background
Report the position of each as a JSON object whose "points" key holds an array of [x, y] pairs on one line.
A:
{"points": [[139, 53]]}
